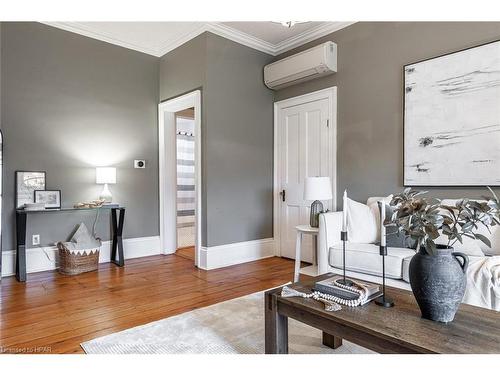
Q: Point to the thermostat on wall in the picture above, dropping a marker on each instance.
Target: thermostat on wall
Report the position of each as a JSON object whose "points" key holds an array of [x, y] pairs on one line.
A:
{"points": [[139, 163]]}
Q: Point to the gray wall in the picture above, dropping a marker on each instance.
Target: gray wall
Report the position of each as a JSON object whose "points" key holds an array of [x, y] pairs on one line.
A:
{"points": [[74, 102], [184, 69], [239, 144], [371, 56], [0, 72], [1, 179], [181, 71], [71, 103], [237, 134]]}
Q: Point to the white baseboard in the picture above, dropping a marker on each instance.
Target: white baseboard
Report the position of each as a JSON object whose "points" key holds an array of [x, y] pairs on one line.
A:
{"points": [[236, 253], [44, 259]]}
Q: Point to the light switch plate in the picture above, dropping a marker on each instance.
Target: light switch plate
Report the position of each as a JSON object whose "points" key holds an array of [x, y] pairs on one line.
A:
{"points": [[36, 239]]}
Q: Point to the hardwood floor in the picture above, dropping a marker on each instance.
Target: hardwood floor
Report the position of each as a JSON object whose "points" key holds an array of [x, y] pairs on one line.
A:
{"points": [[52, 313], [186, 252]]}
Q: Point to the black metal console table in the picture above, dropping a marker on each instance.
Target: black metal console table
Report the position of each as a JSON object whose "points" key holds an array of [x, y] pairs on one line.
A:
{"points": [[21, 225]]}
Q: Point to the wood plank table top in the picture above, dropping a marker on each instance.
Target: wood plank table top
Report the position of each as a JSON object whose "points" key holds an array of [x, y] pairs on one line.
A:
{"points": [[399, 329]]}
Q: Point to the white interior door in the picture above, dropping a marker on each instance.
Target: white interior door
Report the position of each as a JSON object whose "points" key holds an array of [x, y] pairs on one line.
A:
{"points": [[304, 150]]}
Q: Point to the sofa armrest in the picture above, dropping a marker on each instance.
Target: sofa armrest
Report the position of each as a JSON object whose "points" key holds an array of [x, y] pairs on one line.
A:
{"points": [[330, 225]]}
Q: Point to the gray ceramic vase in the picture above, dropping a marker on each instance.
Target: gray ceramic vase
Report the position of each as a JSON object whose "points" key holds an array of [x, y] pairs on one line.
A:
{"points": [[438, 282]]}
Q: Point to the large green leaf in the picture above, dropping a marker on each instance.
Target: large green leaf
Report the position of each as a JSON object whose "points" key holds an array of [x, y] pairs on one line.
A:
{"points": [[468, 226], [483, 239], [430, 246], [422, 219]]}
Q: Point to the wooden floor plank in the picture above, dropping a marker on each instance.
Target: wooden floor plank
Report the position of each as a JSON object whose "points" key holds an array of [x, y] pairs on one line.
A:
{"points": [[52, 313], [186, 252]]}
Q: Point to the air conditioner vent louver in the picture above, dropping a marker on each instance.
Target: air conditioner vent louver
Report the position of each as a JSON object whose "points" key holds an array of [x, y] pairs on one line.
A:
{"points": [[304, 66]]}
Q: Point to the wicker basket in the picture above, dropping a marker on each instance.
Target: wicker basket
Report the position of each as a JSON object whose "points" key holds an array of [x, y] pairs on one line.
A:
{"points": [[71, 263]]}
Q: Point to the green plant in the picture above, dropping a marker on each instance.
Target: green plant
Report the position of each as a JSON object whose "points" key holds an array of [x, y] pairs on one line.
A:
{"points": [[422, 220]]}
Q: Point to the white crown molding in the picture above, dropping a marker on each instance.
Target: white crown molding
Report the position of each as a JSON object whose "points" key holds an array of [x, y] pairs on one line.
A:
{"points": [[213, 27], [78, 28], [309, 35], [180, 40], [242, 38]]}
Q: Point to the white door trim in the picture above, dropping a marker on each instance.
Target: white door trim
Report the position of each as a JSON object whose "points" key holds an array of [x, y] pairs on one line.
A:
{"points": [[329, 93], [168, 166]]}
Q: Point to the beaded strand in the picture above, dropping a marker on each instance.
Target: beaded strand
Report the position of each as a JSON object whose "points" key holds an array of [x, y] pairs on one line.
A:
{"points": [[332, 303]]}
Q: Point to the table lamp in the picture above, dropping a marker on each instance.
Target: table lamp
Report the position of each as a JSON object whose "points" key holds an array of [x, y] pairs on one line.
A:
{"points": [[317, 189], [105, 175]]}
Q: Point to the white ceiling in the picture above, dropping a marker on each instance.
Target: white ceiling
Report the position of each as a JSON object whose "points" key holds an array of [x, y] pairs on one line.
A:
{"points": [[158, 38]]}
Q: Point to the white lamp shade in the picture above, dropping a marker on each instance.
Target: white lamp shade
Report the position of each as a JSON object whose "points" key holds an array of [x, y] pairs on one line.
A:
{"points": [[317, 188], [105, 175]]}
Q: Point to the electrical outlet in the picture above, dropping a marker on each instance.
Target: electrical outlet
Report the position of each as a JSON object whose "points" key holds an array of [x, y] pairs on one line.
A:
{"points": [[36, 239]]}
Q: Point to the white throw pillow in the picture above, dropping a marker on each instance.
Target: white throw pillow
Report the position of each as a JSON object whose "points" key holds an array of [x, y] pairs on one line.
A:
{"points": [[363, 220], [361, 223], [372, 202]]}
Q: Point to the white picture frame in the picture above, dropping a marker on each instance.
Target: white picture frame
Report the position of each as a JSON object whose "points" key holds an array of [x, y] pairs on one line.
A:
{"points": [[452, 119], [51, 198], [26, 184]]}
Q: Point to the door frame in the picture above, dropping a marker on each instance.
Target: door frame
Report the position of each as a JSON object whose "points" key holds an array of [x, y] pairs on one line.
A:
{"points": [[168, 170], [330, 94]]}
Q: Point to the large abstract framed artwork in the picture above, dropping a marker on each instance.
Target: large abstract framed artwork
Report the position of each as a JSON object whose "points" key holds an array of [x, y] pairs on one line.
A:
{"points": [[452, 119]]}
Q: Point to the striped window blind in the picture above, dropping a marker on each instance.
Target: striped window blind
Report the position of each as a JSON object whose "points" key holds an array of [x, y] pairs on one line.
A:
{"points": [[185, 183]]}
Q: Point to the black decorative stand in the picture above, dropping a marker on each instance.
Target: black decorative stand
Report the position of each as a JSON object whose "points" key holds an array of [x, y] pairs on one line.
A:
{"points": [[383, 300], [344, 281]]}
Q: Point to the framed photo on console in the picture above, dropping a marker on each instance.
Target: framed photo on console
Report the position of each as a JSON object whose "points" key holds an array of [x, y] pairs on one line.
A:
{"points": [[51, 198], [26, 184], [452, 119]]}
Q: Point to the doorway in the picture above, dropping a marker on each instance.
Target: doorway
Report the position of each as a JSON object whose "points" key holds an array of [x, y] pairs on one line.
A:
{"points": [[305, 132], [186, 210], [180, 175]]}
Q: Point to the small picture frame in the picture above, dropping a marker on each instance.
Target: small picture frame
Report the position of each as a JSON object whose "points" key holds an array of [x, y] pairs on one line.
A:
{"points": [[26, 183], [51, 198]]}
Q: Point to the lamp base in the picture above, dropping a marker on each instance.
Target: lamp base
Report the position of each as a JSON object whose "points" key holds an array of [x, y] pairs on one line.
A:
{"points": [[384, 301], [106, 194], [316, 209]]}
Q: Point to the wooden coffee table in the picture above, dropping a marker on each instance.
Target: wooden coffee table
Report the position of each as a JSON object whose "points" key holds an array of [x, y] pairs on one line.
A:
{"points": [[399, 329]]}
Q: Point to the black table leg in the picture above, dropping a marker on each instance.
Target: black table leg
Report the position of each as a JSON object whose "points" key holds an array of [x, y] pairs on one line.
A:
{"points": [[117, 242], [21, 219]]}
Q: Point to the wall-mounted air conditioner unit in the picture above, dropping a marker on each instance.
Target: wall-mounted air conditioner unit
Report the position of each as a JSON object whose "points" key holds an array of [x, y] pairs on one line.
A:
{"points": [[304, 66]]}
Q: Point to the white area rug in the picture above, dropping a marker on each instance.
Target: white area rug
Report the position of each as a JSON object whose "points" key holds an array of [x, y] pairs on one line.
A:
{"points": [[230, 327]]}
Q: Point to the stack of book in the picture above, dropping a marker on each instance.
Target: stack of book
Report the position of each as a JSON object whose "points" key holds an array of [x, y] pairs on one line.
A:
{"points": [[328, 286]]}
